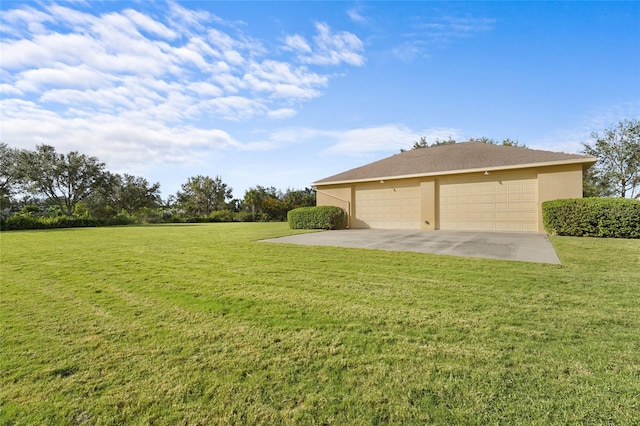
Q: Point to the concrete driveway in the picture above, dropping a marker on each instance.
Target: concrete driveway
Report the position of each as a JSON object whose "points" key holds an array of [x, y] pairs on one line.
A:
{"points": [[521, 246]]}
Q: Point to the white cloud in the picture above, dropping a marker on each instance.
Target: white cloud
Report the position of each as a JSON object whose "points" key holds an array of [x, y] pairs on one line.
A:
{"points": [[328, 48], [284, 81], [76, 77], [188, 18], [7, 90], [358, 141], [297, 43], [409, 51], [441, 31], [121, 142], [205, 89], [129, 86], [145, 23], [236, 107], [299, 135], [75, 20], [384, 138], [355, 14], [106, 51], [373, 139], [449, 28], [45, 50], [23, 21], [468, 25], [571, 138], [282, 113]]}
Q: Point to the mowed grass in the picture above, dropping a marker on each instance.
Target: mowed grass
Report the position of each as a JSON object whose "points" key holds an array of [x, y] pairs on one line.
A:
{"points": [[202, 324]]}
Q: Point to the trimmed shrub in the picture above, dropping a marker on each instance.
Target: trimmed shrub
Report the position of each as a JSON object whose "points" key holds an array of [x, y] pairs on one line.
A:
{"points": [[320, 217], [20, 222], [592, 217], [23, 221], [244, 217], [221, 216], [120, 219]]}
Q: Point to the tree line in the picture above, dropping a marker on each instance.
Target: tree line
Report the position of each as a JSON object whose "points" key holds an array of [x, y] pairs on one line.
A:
{"points": [[45, 183]]}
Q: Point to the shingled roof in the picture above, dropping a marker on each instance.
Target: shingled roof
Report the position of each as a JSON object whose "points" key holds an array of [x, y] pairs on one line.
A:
{"points": [[455, 158]]}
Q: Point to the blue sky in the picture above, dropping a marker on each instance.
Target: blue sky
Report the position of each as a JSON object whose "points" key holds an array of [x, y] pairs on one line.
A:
{"points": [[285, 93]]}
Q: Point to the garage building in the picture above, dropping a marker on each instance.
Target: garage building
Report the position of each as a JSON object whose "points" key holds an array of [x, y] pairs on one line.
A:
{"points": [[463, 186]]}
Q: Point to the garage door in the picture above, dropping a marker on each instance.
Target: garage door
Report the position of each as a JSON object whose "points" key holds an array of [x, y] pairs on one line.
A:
{"points": [[501, 203], [388, 206]]}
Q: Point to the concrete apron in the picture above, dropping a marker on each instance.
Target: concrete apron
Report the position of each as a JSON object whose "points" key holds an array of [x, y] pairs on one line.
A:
{"points": [[520, 246]]}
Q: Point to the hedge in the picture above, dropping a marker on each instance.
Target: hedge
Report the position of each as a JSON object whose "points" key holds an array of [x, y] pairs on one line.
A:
{"points": [[25, 221], [320, 217], [592, 217], [222, 216]]}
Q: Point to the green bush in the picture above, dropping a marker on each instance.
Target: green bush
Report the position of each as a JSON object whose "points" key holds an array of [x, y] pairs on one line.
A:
{"points": [[23, 221], [120, 219], [222, 216], [245, 217], [214, 216], [592, 217], [321, 217]]}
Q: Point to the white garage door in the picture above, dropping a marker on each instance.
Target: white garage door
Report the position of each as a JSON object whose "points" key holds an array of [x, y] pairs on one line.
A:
{"points": [[388, 206], [501, 203]]}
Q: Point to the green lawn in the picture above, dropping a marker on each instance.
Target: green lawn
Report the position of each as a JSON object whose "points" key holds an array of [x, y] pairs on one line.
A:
{"points": [[201, 324]]}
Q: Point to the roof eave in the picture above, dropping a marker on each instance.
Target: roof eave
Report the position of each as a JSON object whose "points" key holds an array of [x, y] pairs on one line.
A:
{"points": [[589, 161]]}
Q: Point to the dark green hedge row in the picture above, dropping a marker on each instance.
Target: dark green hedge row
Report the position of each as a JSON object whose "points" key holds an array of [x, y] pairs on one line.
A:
{"points": [[215, 216], [22, 222], [593, 217], [320, 217]]}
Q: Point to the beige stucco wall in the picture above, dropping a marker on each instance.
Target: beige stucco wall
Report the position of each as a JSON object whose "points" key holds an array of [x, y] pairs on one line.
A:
{"points": [[560, 182], [553, 182], [428, 204], [556, 183]]}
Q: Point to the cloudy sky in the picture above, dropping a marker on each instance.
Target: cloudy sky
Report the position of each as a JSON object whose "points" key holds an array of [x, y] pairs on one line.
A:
{"points": [[285, 93]]}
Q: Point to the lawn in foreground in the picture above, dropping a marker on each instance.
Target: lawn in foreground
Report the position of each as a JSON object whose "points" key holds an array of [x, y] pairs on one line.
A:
{"points": [[201, 324]]}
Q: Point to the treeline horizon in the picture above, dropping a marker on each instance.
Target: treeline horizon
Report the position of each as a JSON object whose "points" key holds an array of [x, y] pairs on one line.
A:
{"points": [[45, 184]]}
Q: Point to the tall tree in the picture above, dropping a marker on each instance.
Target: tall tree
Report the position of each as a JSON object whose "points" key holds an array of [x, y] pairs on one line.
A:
{"points": [[300, 198], [65, 179], [617, 171], [592, 186], [253, 198], [202, 195], [262, 201], [135, 192], [268, 204], [274, 209], [10, 174]]}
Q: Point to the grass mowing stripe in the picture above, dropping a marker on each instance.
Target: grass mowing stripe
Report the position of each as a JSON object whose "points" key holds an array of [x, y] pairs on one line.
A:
{"points": [[202, 324]]}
